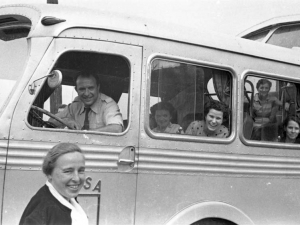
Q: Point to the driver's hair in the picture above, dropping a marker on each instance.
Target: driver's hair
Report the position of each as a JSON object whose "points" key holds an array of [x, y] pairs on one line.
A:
{"points": [[87, 74]]}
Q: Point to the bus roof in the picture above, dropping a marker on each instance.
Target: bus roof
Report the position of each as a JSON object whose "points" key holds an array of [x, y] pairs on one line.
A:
{"points": [[75, 17]]}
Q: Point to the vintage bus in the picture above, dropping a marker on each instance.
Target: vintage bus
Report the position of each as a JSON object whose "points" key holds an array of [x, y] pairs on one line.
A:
{"points": [[140, 176]]}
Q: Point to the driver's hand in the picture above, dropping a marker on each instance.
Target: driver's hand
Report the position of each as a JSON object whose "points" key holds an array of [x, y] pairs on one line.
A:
{"points": [[73, 124]]}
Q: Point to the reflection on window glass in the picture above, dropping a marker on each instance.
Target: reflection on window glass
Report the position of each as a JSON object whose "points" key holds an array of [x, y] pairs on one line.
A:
{"points": [[12, 65], [93, 95], [258, 36], [188, 99], [271, 110], [287, 36], [14, 27]]}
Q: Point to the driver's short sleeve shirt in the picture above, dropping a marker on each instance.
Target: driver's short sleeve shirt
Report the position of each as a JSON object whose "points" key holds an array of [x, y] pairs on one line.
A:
{"points": [[104, 111]]}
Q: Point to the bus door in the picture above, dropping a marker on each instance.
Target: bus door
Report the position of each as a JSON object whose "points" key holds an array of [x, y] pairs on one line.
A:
{"points": [[108, 195]]}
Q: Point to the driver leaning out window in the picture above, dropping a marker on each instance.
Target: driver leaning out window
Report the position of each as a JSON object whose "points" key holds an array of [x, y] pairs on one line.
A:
{"points": [[91, 109]]}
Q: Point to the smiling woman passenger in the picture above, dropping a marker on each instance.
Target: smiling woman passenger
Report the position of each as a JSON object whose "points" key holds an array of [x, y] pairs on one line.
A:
{"points": [[55, 203], [214, 114], [291, 129], [265, 106], [163, 113]]}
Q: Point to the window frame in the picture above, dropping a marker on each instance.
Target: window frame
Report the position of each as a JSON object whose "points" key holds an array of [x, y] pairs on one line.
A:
{"points": [[44, 81], [190, 138], [255, 143]]}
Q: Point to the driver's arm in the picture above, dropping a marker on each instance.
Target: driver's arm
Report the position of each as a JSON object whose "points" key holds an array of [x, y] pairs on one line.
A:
{"points": [[71, 123], [113, 128], [67, 118]]}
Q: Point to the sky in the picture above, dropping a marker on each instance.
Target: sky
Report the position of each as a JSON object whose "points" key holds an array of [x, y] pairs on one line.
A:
{"points": [[225, 16]]}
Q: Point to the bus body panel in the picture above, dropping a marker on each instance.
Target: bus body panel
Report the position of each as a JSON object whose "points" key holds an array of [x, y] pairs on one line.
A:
{"points": [[168, 195], [102, 204]]}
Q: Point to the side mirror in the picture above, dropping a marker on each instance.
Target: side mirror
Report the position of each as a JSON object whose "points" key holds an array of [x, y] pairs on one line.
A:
{"points": [[54, 80]]}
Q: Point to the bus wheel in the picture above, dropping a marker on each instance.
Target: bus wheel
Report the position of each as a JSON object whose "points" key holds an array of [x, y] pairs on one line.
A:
{"points": [[213, 221]]}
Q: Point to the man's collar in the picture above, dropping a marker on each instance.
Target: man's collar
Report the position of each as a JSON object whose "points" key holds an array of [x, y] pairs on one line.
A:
{"points": [[94, 107]]}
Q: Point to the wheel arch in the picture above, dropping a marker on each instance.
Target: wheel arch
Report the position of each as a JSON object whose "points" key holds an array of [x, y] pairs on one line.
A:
{"points": [[202, 210]]}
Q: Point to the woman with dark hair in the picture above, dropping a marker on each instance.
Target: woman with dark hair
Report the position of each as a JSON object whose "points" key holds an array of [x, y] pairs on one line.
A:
{"points": [[291, 129], [215, 113], [265, 106], [163, 113], [55, 203]]}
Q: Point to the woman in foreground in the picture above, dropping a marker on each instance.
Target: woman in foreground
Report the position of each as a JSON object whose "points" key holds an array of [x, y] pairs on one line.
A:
{"points": [[55, 203]]}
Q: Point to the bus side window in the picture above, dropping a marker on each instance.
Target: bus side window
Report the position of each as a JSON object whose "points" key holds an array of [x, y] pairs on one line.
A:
{"points": [[269, 105], [178, 96], [263, 109], [114, 76]]}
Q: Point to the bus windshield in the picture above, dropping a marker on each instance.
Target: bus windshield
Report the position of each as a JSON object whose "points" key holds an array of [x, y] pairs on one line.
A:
{"points": [[12, 61]]}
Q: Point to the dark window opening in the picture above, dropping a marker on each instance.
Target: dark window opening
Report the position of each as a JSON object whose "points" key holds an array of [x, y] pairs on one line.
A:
{"points": [[14, 27]]}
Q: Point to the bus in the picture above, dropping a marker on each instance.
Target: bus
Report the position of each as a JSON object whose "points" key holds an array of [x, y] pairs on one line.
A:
{"points": [[140, 176]]}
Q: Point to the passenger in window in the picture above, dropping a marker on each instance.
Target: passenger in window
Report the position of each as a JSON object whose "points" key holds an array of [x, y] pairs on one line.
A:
{"points": [[291, 129], [215, 113], [91, 109], [163, 113], [265, 106]]}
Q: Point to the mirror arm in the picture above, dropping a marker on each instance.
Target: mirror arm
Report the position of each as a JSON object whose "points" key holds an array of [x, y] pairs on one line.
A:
{"points": [[32, 86]]}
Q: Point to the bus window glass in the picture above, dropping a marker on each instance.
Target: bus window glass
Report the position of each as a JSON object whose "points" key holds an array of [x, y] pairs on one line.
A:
{"points": [[13, 27], [271, 110], [109, 106], [12, 65], [180, 93], [287, 36], [257, 36]]}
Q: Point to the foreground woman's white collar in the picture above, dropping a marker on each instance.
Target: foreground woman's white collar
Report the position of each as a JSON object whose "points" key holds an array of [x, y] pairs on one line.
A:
{"points": [[77, 214]]}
